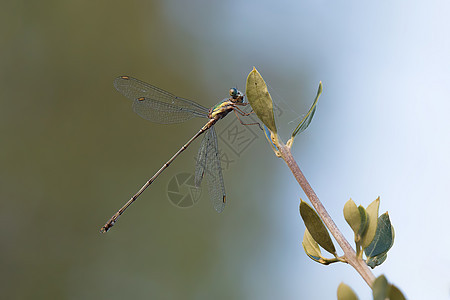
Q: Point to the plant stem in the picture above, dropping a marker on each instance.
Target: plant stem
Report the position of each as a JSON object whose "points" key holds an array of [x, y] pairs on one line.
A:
{"points": [[349, 254]]}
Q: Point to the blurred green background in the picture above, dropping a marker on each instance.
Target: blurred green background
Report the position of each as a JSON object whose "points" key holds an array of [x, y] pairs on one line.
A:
{"points": [[73, 151]]}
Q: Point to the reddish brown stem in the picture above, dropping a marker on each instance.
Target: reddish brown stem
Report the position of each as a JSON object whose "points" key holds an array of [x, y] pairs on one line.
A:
{"points": [[349, 254]]}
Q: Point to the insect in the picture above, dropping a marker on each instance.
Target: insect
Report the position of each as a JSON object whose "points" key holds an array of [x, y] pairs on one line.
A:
{"points": [[159, 106]]}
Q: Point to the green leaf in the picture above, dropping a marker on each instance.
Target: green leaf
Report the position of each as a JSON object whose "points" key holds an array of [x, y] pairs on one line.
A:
{"points": [[364, 221], [344, 292], [380, 288], [384, 237], [381, 243], [304, 123], [311, 247], [376, 260], [316, 227], [395, 293], [372, 213], [259, 98], [356, 217], [352, 216]]}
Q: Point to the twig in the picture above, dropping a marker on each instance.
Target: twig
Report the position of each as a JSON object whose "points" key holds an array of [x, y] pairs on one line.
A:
{"points": [[349, 254]]}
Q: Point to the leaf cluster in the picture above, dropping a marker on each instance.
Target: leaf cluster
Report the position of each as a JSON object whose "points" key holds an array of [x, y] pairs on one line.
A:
{"points": [[373, 234], [381, 290]]}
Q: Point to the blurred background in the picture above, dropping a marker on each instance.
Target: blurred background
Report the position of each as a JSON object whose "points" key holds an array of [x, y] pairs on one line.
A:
{"points": [[73, 151]]}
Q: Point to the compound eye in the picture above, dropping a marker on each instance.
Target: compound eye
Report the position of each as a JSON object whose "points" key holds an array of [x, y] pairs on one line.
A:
{"points": [[233, 93]]}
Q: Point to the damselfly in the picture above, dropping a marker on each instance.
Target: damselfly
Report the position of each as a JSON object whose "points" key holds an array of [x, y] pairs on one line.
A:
{"points": [[159, 106]]}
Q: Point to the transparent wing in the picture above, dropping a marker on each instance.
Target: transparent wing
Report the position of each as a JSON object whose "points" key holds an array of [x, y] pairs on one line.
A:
{"points": [[201, 160], [208, 163], [213, 170], [157, 105]]}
